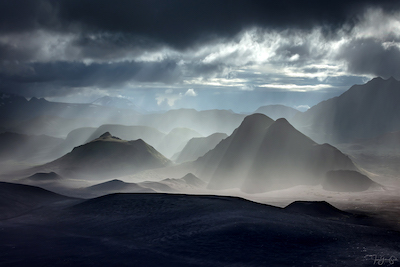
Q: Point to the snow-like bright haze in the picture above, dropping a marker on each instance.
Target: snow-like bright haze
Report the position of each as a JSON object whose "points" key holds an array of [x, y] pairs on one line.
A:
{"points": [[163, 55]]}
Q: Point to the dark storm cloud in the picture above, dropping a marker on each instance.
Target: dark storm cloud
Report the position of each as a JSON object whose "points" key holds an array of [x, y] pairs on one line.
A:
{"points": [[178, 23], [109, 46], [368, 56], [75, 74], [26, 15], [58, 47], [9, 52]]}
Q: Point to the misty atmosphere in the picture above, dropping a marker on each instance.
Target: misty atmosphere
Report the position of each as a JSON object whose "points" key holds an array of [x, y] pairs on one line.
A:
{"points": [[199, 133]]}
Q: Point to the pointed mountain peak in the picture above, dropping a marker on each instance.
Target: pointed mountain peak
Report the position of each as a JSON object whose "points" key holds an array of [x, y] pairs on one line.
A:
{"points": [[253, 126], [106, 135], [189, 176], [282, 121], [283, 131], [381, 80], [282, 124]]}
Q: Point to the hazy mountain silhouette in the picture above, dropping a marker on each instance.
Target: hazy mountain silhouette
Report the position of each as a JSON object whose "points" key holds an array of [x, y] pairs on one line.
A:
{"points": [[50, 125], [166, 144], [44, 177], [237, 148], [11, 109], [205, 122], [347, 181], [74, 138], [385, 143], [198, 146], [287, 158], [107, 156], [39, 116], [277, 111], [148, 134], [31, 148], [115, 102], [175, 141], [187, 183], [84, 135], [182, 185], [116, 186], [362, 112], [263, 155]]}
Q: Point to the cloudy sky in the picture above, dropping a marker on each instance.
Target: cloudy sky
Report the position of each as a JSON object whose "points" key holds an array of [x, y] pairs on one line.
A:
{"points": [[163, 54]]}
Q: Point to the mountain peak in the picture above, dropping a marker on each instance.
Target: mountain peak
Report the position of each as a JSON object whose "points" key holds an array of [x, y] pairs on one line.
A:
{"points": [[282, 121], [283, 126], [106, 135], [256, 118]]}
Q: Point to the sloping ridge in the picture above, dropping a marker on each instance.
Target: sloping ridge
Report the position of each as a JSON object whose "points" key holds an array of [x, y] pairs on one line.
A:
{"points": [[16, 199], [148, 134], [316, 208], [362, 112], [348, 181], [223, 160], [199, 146], [288, 158], [43, 176], [189, 180], [116, 185], [108, 156]]}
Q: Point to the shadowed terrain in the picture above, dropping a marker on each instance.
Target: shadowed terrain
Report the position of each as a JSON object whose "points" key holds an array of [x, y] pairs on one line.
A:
{"points": [[184, 230]]}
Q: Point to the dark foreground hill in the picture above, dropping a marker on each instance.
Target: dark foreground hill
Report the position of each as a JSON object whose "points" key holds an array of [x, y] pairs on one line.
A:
{"points": [[16, 199], [188, 230]]}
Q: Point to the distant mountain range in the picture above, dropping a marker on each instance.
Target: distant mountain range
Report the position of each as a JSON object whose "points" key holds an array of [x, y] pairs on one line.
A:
{"points": [[363, 112], [21, 147], [166, 144], [39, 116], [185, 184], [117, 102], [259, 155]]}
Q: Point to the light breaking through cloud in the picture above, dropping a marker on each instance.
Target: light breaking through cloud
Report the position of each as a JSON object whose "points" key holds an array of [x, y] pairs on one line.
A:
{"points": [[55, 49]]}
